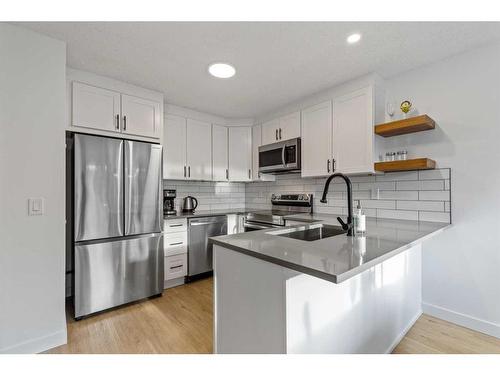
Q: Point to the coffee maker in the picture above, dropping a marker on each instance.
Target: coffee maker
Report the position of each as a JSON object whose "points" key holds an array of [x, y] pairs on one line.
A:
{"points": [[169, 196]]}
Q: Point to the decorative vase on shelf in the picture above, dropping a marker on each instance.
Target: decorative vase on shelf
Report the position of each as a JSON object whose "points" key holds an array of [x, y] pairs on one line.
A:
{"points": [[405, 108]]}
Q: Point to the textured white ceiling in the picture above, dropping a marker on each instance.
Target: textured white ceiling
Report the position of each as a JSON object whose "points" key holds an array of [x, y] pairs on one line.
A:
{"points": [[276, 63]]}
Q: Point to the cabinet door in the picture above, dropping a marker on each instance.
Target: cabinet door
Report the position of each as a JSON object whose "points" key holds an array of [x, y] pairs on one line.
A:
{"points": [[240, 153], [289, 126], [140, 116], [96, 108], [317, 139], [199, 150], [270, 131], [174, 150], [256, 142], [353, 132], [219, 153]]}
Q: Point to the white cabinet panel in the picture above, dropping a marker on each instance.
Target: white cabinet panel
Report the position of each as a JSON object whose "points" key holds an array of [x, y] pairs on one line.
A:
{"points": [[219, 153], [270, 131], [240, 153], [199, 150], [140, 116], [353, 132], [175, 266], [96, 108], [256, 142], [289, 126], [174, 148], [317, 139]]}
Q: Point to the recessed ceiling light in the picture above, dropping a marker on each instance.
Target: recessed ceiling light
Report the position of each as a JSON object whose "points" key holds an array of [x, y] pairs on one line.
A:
{"points": [[221, 70], [353, 38]]}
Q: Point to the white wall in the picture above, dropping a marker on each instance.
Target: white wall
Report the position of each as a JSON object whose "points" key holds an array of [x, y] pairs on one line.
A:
{"points": [[32, 105], [461, 267]]}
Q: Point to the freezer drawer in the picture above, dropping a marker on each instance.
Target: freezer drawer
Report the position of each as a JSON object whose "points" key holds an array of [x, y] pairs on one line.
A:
{"points": [[112, 273]]}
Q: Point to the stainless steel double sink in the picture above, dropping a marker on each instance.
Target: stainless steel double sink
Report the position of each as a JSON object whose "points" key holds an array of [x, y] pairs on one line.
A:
{"points": [[312, 232]]}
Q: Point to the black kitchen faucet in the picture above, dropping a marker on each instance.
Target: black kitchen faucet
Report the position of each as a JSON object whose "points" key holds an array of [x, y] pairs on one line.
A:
{"points": [[349, 225]]}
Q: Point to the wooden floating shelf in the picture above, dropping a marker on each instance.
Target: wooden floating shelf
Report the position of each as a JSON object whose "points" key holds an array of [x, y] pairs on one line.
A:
{"points": [[406, 126], [405, 165]]}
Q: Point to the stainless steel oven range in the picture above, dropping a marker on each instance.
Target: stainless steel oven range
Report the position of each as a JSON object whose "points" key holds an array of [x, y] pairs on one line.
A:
{"points": [[283, 205]]}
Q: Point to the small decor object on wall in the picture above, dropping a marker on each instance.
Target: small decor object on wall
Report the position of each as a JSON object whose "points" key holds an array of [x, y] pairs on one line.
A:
{"points": [[390, 109], [405, 107]]}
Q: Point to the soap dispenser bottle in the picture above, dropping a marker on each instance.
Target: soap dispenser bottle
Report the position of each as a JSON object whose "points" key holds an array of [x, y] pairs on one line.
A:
{"points": [[359, 221]]}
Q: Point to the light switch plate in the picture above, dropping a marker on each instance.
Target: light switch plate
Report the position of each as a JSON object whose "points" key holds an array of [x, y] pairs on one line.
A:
{"points": [[35, 206]]}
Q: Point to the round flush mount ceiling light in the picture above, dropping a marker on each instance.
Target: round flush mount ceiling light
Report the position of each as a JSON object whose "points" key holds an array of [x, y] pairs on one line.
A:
{"points": [[353, 38], [221, 70]]}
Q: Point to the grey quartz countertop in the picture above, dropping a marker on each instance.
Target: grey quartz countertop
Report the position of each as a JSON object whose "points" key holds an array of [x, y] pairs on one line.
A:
{"points": [[205, 213], [336, 258]]}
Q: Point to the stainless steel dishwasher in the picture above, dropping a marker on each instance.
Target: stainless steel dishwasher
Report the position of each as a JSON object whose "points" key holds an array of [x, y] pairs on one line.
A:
{"points": [[199, 250]]}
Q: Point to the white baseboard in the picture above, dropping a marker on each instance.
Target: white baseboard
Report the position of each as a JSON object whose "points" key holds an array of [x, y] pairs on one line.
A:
{"points": [[37, 345], [483, 326], [403, 333]]}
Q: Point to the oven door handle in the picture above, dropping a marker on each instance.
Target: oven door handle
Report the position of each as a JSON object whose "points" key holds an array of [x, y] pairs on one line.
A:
{"points": [[283, 156]]}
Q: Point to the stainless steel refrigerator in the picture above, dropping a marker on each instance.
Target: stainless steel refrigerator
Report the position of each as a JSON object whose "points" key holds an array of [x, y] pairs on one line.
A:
{"points": [[117, 221]]}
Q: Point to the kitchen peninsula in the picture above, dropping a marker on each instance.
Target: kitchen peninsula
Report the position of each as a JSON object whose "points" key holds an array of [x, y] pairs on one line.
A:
{"points": [[278, 294]]}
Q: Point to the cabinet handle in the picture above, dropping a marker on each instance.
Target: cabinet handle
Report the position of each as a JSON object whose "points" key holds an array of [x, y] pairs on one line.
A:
{"points": [[249, 174], [179, 266], [189, 171], [124, 122], [184, 171], [333, 166], [276, 134], [227, 174], [175, 225], [328, 165], [117, 122], [280, 133], [175, 243]]}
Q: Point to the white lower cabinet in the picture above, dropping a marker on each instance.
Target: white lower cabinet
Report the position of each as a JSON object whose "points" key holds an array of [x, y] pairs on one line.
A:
{"points": [[175, 247]]}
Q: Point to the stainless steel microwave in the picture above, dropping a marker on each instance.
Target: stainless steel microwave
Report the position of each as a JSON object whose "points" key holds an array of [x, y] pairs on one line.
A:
{"points": [[280, 157]]}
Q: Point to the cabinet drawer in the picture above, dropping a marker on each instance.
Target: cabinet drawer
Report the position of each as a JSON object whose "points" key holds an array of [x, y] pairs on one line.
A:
{"points": [[175, 266], [175, 225], [175, 243]]}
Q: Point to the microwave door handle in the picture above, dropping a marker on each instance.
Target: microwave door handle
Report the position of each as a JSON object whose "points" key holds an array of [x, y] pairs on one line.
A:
{"points": [[283, 156]]}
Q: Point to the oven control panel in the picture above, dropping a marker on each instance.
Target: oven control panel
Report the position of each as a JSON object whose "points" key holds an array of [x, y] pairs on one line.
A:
{"points": [[292, 199]]}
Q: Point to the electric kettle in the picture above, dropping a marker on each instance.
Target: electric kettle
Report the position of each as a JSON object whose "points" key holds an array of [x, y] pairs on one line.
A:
{"points": [[190, 203]]}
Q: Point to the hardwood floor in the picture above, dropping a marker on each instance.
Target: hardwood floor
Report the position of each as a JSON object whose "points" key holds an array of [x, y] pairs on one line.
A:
{"points": [[181, 321]]}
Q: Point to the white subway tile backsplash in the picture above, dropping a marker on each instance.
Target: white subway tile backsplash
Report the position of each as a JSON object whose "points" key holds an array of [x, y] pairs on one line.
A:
{"points": [[397, 214], [434, 174], [399, 195], [443, 217], [423, 195], [434, 195], [420, 185], [420, 205]]}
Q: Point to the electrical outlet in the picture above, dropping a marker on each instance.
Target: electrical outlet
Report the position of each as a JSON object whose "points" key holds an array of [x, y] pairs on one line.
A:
{"points": [[375, 193], [35, 206]]}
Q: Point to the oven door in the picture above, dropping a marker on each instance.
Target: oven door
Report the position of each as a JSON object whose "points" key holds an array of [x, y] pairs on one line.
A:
{"points": [[280, 157], [251, 226]]}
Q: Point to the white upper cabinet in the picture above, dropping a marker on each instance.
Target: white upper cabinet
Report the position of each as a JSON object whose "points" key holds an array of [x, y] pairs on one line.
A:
{"points": [[317, 140], [240, 153], [174, 148], [256, 142], [220, 153], [353, 132], [111, 111], [96, 108], [270, 131], [289, 126], [140, 116], [199, 150], [281, 129]]}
